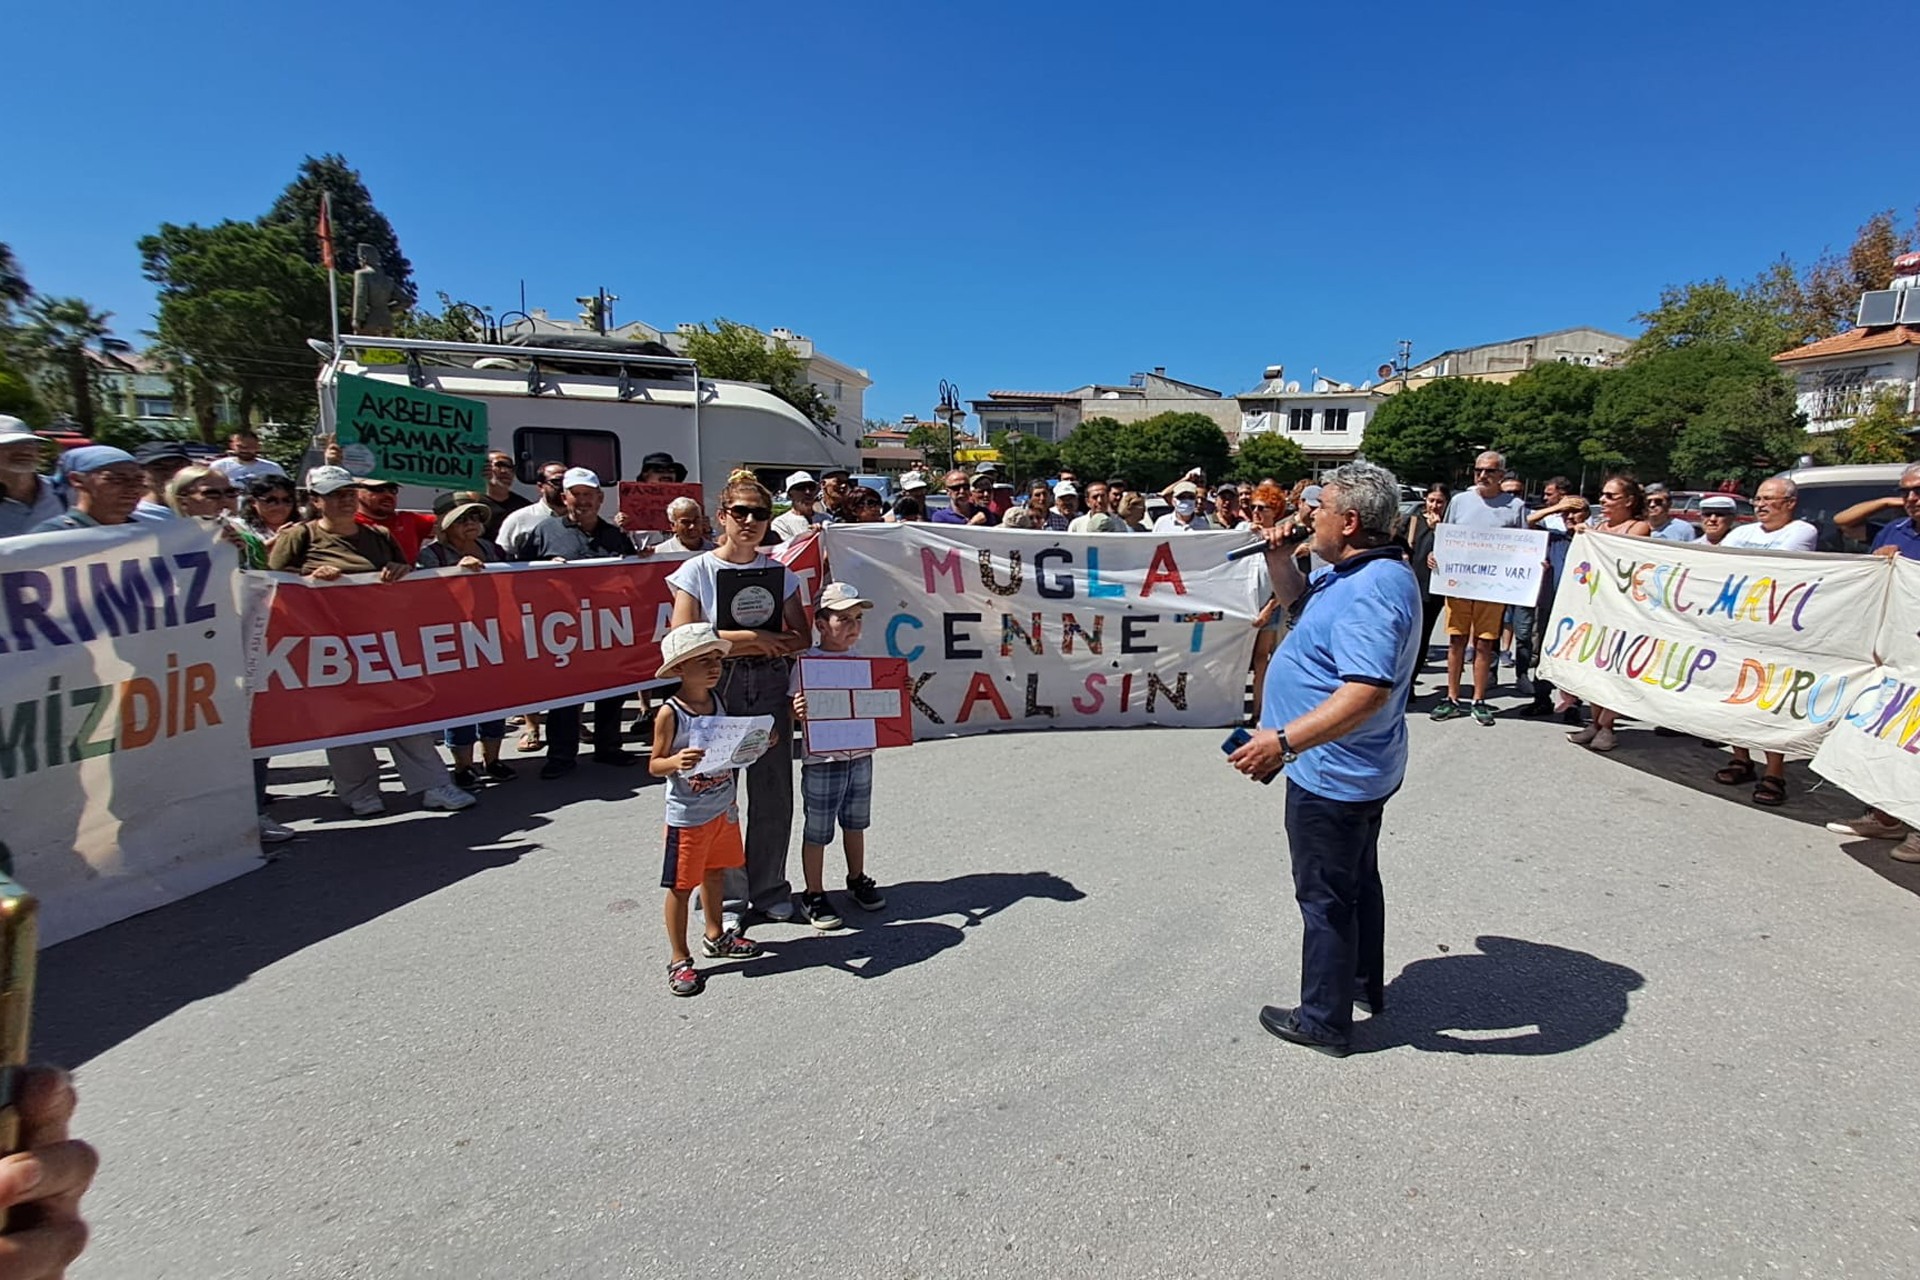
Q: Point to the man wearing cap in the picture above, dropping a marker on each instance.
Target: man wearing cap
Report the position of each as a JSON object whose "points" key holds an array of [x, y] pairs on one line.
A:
{"points": [[1098, 518], [1660, 516], [244, 464], [963, 506], [803, 492], [1485, 506], [1226, 507], [516, 528], [1185, 516], [380, 509], [580, 534], [163, 460], [27, 499], [836, 489], [106, 484], [1066, 506], [912, 485], [1717, 511]]}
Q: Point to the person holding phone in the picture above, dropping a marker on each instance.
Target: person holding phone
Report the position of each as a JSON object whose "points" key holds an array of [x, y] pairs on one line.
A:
{"points": [[1333, 719], [753, 682]]}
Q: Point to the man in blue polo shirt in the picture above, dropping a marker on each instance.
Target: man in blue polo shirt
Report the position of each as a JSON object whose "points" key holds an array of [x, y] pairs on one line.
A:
{"points": [[1333, 717], [1898, 538]]}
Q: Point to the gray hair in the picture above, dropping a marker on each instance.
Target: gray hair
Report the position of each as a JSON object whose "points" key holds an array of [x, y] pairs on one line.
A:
{"points": [[1792, 489], [1654, 490], [682, 507], [1499, 459], [1367, 489]]}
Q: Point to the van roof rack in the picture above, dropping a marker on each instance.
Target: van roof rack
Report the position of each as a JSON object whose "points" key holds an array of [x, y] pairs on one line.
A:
{"points": [[605, 352]]}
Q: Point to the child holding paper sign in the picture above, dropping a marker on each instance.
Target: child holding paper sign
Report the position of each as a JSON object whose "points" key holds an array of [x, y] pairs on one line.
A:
{"points": [[835, 785]]}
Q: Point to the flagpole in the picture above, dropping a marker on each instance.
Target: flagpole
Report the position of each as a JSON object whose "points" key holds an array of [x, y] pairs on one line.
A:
{"points": [[333, 277]]}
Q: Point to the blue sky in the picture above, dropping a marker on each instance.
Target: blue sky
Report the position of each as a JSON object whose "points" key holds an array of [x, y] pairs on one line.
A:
{"points": [[1005, 195]]}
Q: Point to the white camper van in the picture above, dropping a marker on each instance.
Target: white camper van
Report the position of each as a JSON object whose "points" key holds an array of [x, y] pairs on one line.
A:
{"points": [[601, 403]]}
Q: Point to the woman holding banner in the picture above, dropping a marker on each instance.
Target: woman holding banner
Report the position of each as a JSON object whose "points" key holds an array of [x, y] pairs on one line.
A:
{"points": [[1623, 513], [753, 681], [1265, 507]]}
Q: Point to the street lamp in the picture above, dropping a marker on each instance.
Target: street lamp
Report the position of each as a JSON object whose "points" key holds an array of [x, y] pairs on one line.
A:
{"points": [[949, 410], [1013, 459]]}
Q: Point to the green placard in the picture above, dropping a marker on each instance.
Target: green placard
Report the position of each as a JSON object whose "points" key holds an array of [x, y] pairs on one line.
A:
{"points": [[411, 436]]}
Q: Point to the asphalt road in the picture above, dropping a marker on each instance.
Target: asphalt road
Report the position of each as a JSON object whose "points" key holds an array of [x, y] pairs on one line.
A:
{"points": [[1639, 1028]]}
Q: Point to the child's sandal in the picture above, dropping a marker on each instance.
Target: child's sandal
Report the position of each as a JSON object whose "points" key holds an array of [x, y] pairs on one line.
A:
{"points": [[683, 979], [731, 945]]}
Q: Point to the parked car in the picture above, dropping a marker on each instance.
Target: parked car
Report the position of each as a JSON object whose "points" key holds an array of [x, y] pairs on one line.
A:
{"points": [[1686, 505], [1827, 491]]}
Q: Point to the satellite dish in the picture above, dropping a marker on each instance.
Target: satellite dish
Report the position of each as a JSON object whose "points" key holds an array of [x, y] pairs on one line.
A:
{"points": [[1384, 371], [1293, 388], [1365, 385]]}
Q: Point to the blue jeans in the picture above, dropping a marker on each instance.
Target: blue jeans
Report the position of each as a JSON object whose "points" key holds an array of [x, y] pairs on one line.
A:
{"points": [[1336, 880], [465, 735]]}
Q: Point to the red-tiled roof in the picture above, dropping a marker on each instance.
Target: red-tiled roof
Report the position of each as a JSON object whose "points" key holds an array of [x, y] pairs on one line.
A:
{"points": [[1841, 344]]}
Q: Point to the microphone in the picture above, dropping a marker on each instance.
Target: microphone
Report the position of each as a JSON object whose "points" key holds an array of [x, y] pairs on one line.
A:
{"points": [[1294, 538], [1251, 549]]}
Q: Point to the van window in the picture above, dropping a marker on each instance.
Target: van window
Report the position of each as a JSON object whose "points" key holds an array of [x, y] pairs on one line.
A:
{"points": [[598, 451], [1819, 503]]}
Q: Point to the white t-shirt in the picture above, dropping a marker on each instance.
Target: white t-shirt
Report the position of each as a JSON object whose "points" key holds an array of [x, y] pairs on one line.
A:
{"points": [[519, 524], [1098, 522], [696, 578], [1170, 523], [791, 524], [243, 474], [1795, 535]]}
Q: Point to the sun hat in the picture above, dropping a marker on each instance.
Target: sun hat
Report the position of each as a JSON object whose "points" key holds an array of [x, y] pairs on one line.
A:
{"points": [[796, 479], [837, 596], [689, 640], [14, 431], [912, 480], [580, 478], [662, 462], [456, 507]]}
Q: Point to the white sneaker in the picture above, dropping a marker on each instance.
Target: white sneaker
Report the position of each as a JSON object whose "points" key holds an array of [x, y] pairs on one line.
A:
{"points": [[1907, 850], [272, 832], [448, 797], [372, 806], [781, 911], [730, 922], [1869, 827]]}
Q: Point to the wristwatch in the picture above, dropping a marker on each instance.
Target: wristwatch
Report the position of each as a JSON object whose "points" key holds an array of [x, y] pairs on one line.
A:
{"points": [[1287, 754]]}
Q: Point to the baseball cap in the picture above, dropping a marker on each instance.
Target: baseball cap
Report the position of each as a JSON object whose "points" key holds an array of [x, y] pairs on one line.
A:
{"points": [[796, 479], [579, 478], [1718, 502], [14, 431], [1186, 489], [838, 596], [689, 640], [912, 480], [159, 451], [1065, 489], [1311, 495], [92, 457], [325, 480], [827, 473], [985, 468], [1226, 491]]}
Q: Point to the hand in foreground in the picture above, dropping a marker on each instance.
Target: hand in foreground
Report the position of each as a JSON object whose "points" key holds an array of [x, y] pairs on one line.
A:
{"points": [[800, 706], [44, 1181], [1887, 552], [1259, 755], [688, 758], [394, 571], [471, 564]]}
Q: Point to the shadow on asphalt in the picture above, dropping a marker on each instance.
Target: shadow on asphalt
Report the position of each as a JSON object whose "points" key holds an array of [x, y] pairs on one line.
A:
{"points": [[904, 935], [1513, 997]]}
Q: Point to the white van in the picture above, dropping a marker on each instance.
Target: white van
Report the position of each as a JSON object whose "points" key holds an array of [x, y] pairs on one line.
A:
{"points": [[600, 403]]}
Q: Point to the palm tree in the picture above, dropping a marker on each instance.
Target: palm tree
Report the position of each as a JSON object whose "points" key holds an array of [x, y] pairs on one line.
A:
{"points": [[14, 289], [66, 332]]}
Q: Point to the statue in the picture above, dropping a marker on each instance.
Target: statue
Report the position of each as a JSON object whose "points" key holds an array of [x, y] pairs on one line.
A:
{"points": [[375, 299]]}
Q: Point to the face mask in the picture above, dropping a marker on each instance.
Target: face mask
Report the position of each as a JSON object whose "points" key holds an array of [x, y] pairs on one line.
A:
{"points": [[1185, 507]]}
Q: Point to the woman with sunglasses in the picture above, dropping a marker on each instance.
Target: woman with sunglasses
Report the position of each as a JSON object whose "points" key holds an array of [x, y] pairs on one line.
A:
{"points": [[1623, 513], [269, 506], [753, 682], [201, 493], [1265, 506]]}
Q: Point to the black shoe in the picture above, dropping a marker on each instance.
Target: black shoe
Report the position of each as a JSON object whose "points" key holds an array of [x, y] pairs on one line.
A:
{"points": [[558, 769], [466, 777], [1574, 716], [1537, 709], [1372, 1001], [1282, 1022], [819, 912], [865, 893], [500, 773], [617, 758], [1661, 731]]}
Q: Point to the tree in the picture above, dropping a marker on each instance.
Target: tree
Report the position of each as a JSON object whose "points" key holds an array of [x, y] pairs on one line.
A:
{"points": [[355, 219], [931, 442], [1645, 406], [66, 333], [1884, 433], [1024, 456], [741, 353], [1544, 415], [1748, 429], [15, 292], [1089, 449], [1433, 432], [1155, 451], [454, 322], [1272, 455], [18, 399], [1759, 316], [237, 305]]}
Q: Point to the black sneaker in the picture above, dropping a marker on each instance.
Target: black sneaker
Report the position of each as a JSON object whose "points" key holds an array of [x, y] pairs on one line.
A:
{"points": [[1447, 709], [818, 909], [497, 772], [865, 893], [466, 778]]}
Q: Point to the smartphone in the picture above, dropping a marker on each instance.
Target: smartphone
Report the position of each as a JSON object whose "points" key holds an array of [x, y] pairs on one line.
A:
{"points": [[19, 951], [1238, 739]]}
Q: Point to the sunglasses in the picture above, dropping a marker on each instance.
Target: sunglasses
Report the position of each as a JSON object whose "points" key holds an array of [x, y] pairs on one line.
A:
{"points": [[273, 499], [217, 493], [1910, 488], [1615, 497], [502, 465], [1488, 471], [380, 488], [748, 515]]}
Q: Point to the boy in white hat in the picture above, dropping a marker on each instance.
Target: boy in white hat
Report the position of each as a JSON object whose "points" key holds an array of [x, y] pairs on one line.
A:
{"points": [[836, 787], [703, 815]]}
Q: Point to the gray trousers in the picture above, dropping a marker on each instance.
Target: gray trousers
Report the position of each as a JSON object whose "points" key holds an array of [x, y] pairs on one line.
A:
{"points": [[758, 687], [356, 771]]}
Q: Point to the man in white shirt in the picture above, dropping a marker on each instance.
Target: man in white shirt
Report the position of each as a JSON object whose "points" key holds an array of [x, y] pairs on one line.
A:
{"points": [[245, 465], [804, 493], [1776, 529], [1185, 516], [518, 527], [1098, 518]]}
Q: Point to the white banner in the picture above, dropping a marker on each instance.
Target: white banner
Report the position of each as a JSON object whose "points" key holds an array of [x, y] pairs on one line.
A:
{"points": [[1026, 629], [1873, 749], [125, 776], [1501, 565], [1761, 649]]}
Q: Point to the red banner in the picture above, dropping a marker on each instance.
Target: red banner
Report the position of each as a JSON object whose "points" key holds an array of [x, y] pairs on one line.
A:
{"points": [[804, 556], [358, 662]]}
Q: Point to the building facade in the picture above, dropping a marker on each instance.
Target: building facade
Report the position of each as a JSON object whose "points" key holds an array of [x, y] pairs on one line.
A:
{"points": [[1840, 378], [1505, 361], [1328, 419], [1052, 415]]}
